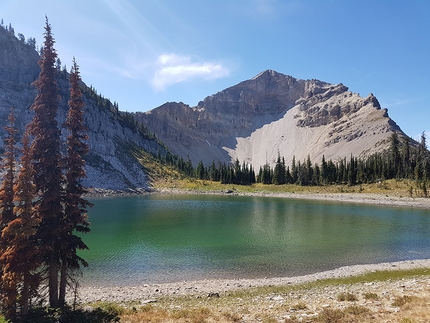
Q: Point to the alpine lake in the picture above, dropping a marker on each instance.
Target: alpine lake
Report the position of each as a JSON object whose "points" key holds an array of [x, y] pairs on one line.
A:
{"points": [[166, 238]]}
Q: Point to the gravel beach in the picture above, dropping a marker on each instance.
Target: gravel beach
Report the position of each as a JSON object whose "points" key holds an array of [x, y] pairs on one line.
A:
{"points": [[149, 292]]}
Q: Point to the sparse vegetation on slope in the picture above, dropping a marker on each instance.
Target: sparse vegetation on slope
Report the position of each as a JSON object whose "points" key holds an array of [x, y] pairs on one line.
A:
{"points": [[396, 296]]}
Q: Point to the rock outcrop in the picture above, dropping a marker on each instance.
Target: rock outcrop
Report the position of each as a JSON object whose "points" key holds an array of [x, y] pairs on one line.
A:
{"points": [[274, 113]]}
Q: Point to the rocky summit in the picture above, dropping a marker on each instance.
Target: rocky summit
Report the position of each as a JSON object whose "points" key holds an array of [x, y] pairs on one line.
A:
{"points": [[273, 114]]}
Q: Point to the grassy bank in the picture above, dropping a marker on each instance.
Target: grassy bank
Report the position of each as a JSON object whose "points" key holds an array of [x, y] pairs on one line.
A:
{"points": [[395, 188], [383, 296]]}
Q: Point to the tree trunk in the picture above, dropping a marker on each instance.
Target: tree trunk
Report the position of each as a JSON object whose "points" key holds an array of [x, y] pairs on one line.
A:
{"points": [[63, 282], [25, 295], [53, 284]]}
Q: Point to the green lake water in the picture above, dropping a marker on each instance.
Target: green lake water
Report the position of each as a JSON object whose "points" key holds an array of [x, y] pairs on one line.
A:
{"points": [[166, 238]]}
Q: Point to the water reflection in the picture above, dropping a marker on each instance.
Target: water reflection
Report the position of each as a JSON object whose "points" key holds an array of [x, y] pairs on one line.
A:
{"points": [[168, 238]]}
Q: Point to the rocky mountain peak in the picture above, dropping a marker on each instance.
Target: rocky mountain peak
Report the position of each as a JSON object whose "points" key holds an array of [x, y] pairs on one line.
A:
{"points": [[274, 113]]}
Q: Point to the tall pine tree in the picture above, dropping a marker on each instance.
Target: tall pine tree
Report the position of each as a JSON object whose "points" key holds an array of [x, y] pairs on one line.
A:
{"points": [[46, 156], [9, 279], [28, 259], [75, 206], [21, 257]]}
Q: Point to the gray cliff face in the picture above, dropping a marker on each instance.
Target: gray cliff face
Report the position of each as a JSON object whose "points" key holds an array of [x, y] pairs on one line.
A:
{"points": [[110, 163], [270, 113]]}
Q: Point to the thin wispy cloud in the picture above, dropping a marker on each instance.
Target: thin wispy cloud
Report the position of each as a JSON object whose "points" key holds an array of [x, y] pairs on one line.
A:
{"points": [[269, 9], [173, 68], [394, 102]]}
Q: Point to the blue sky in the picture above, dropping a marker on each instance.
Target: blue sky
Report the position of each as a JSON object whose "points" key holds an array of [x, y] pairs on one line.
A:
{"points": [[143, 53]]}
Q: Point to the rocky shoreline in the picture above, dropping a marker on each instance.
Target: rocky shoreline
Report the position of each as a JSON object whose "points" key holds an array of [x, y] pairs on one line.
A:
{"points": [[362, 198], [151, 292]]}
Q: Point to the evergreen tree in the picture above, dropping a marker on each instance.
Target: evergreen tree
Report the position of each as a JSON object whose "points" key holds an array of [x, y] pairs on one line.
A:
{"points": [[302, 178], [316, 174], [8, 165], [251, 175], [406, 158], [352, 172], [75, 206], [9, 279], [26, 247], [279, 173], [21, 255], [200, 171], [237, 173], [266, 177], [288, 177], [324, 171], [294, 171], [310, 171], [45, 155], [423, 143], [396, 163]]}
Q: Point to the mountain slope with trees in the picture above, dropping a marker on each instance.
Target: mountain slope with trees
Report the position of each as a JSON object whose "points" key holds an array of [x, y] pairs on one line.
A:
{"points": [[114, 136]]}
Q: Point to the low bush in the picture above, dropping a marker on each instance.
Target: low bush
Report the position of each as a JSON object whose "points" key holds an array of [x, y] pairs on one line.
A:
{"points": [[369, 296], [329, 315], [356, 310], [67, 315], [346, 297], [400, 301]]}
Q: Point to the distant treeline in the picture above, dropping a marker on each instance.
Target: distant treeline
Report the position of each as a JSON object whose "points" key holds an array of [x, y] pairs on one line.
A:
{"points": [[126, 119], [401, 161], [31, 41]]}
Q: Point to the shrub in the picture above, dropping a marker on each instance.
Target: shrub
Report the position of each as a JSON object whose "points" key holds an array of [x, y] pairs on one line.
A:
{"points": [[67, 315], [195, 315], [299, 306], [400, 301], [329, 315], [356, 310], [346, 297], [232, 317], [371, 296]]}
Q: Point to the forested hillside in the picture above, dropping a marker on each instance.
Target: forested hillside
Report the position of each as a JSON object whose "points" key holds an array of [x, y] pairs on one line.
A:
{"points": [[114, 136]]}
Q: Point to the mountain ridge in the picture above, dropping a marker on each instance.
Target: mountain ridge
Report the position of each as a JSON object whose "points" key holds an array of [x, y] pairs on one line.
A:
{"points": [[253, 121], [111, 163]]}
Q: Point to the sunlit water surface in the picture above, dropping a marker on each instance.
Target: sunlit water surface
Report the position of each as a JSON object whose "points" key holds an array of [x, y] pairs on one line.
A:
{"points": [[165, 238]]}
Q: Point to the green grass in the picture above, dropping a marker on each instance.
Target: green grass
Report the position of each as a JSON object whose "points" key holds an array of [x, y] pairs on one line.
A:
{"points": [[162, 178]]}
